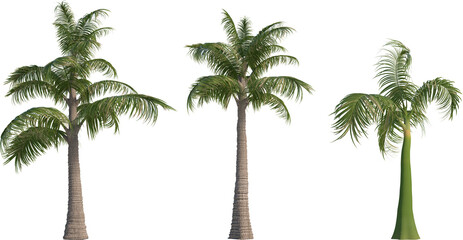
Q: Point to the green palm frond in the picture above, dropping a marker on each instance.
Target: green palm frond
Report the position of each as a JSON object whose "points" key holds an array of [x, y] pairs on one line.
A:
{"points": [[32, 89], [220, 58], [25, 147], [103, 87], [105, 112], [268, 36], [244, 31], [283, 85], [90, 21], [392, 72], [25, 74], [102, 66], [212, 88], [271, 62], [230, 29], [274, 102], [21, 140], [438, 90], [355, 113], [389, 129]]}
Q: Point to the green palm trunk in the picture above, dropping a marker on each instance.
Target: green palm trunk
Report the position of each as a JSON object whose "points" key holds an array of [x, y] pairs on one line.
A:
{"points": [[405, 224]]}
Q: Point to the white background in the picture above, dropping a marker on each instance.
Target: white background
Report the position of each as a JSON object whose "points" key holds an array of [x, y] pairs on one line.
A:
{"points": [[174, 180]]}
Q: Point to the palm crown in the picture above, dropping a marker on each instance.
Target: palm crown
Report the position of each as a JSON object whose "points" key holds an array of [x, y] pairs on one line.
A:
{"points": [[65, 81], [239, 66], [400, 105]]}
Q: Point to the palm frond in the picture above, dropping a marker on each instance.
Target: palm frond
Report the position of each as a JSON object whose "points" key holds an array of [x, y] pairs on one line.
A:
{"points": [[356, 112], [32, 89], [106, 86], [442, 92], [101, 65], [269, 36], [215, 88], [392, 72], [105, 112], [230, 29], [271, 62], [220, 58], [274, 102], [283, 85], [25, 74], [25, 147], [20, 140], [389, 129]]}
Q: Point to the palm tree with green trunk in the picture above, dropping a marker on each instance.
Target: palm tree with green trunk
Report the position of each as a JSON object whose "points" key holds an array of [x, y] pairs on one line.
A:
{"points": [[400, 106], [239, 66], [65, 81]]}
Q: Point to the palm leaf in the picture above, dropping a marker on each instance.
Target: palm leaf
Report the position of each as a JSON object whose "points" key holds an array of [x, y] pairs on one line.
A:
{"points": [[283, 85], [213, 88], [105, 112], [44, 117], [274, 102], [438, 90], [103, 87], [355, 113], [220, 58], [392, 71], [25, 147]]}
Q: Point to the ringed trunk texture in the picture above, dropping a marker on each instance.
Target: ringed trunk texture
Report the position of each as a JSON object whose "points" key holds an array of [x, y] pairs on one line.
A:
{"points": [[75, 224], [405, 227], [241, 224]]}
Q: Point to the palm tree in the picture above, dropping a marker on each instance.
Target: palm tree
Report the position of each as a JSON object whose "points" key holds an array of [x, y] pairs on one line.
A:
{"points": [[239, 66], [400, 106], [65, 81]]}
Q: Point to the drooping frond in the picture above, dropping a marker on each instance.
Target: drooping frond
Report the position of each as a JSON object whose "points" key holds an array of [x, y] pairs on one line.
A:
{"points": [[35, 117], [271, 62], [274, 102], [105, 112], [230, 29], [356, 112], [25, 74], [392, 72], [101, 65], [215, 88], [283, 85], [221, 58], [103, 87], [389, 129], [32, 89], [31, 133], [25, 147], [438, 90]]}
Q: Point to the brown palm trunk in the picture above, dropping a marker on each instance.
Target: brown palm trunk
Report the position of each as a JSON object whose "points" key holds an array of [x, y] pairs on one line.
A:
{"points": [[241, 224], [75, 223]]}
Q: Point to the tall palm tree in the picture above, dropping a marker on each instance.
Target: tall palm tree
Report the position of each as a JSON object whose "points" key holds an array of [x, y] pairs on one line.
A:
{"points": [[239, 66], [65, 81], [400, 106]]}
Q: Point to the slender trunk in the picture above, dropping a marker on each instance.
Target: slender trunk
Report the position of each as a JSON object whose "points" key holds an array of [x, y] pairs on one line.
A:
{"points": [[405, 224], [241, 224], [75, 223]]}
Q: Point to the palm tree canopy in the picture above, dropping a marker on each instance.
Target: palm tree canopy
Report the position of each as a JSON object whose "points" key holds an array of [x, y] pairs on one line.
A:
{"points": [[31, 133], [399, 105], [239, 66]]}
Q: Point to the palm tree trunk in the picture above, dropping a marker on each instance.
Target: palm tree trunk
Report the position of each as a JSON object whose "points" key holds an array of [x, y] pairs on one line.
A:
{"points": [[405, 227], [75, 223], [241, 224]]}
